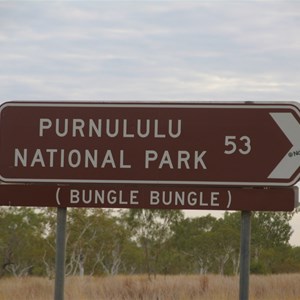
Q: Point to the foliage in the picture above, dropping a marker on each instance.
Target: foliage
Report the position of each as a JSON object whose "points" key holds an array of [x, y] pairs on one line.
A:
{"points": [[21, 240], [101, 241], [152, 229]]}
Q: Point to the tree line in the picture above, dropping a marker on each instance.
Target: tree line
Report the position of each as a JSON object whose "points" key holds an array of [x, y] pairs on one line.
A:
{"points": [[135, 241]]}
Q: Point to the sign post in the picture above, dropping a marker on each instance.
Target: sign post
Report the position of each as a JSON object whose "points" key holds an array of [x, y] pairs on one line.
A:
{"points": [[60, 253], [245, 254]]}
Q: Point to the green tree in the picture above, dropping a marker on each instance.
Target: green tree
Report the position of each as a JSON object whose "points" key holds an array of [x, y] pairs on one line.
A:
{"points": [[21, 231], [226, 243], [193, 239], [95, 242], [152, 229], [270, 231]]}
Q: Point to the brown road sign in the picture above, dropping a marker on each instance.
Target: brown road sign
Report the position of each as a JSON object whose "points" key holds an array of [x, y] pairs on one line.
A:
{"points": [[149, 196], [231, 144]]}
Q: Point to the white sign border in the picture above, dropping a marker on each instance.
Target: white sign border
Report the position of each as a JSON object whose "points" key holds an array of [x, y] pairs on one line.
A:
{"points": [[295, 106]]}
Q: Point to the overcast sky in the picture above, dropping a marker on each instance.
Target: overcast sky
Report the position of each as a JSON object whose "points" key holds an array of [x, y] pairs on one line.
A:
{"points": [[151, 50]]}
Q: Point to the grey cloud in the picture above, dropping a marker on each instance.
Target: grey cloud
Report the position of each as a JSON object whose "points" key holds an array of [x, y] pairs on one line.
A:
{"points": [[164, 50]]}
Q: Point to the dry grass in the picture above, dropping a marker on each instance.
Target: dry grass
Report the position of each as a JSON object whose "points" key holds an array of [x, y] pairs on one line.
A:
{"points": [[180, 287]]}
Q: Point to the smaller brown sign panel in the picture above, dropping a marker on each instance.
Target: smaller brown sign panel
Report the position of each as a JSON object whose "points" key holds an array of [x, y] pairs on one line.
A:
{"points": [[151, 197]]}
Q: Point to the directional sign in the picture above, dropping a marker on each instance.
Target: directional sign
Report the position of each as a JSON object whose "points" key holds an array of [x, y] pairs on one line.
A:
{"points": [[231, 144], [149, 196]]}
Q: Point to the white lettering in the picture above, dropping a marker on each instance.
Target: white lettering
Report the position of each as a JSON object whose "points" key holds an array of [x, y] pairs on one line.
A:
{"points": [[166, 160], [91, 158], [139, 128], [112, 128], [125, 133], [178, 133], [104, 198], [74, 196], [108, 129], [57, 128], [151, 155], [156, 133], [202, 201], [214, 198], [122, 161], [192, 198], [51, 156], [199, 160], [78, 125], [182, 199], [62, 158], [183, 158], [38, 158], [74, 158], [111, 197], [19, 157], [108, 159], [87, 200], [133, 197], [179, 197], [154, 198], [97, 129], [44, 124], [175, 159], [99, 198]]}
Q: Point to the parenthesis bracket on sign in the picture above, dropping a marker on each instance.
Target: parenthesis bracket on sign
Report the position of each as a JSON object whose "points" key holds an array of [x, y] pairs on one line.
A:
{"points": [[229, 199], [57, 196]]}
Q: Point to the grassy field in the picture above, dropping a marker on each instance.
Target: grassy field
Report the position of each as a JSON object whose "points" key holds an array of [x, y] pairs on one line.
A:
{"points": [[181, 287]]}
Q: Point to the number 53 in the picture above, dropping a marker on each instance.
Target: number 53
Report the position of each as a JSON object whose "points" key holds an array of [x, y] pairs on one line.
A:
{"points": [[232, 146]]}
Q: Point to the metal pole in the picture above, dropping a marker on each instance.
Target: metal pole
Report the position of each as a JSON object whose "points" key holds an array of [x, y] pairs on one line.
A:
{"points": [[245, 254], [60, 253]]}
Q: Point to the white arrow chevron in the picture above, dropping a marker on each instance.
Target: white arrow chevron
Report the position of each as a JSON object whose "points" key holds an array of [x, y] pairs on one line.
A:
{"points": [[291, 161]]}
